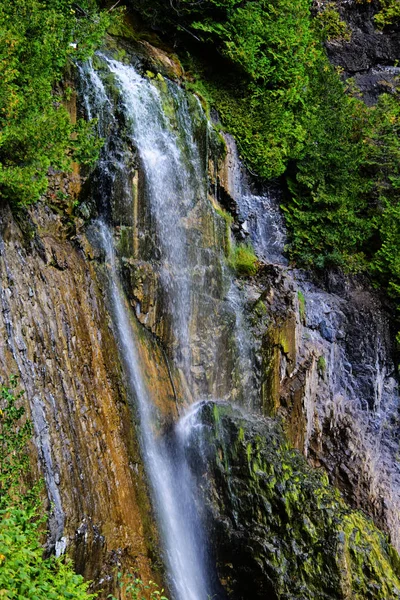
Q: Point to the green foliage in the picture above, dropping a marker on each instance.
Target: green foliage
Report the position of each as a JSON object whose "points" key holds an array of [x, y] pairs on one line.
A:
{"points": [[254, 82], [132, 587], [328, 206], [36, 45], [243, 260], [14, 437], [389, 13], [24, 572], [333, 28], [228, 220]]}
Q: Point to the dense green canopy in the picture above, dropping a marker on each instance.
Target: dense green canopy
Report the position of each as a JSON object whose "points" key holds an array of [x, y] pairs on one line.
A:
{"points": [[38, 40]]}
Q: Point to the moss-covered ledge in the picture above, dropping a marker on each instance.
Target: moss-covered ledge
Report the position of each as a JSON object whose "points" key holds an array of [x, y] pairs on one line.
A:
{"points": [[280, 530]]}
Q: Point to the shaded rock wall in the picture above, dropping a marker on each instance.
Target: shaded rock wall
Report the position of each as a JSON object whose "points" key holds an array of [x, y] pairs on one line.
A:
{"points": [[327, 368], [370, 55], [280, 530]]}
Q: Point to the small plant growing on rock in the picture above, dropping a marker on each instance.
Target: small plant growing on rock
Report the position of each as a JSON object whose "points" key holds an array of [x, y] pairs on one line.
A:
{"points": [[321, 366], [333, 28], [228, 220], [243, 260], [133, 587], [302, 306], [389, 13]]}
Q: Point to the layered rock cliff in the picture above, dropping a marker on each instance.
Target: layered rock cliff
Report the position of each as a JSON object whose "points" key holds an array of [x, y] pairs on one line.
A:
{"points": [[56, 336], [281, 345]]}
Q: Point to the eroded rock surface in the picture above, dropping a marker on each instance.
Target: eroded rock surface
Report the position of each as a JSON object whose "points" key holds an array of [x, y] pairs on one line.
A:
{"points": [[55, 334]]}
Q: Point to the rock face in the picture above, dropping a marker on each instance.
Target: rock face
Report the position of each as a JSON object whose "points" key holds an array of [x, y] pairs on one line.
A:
{"points": [[332, 377], [280, 531], [325, 357], [370, 56], [320, 353], [55, 334]]}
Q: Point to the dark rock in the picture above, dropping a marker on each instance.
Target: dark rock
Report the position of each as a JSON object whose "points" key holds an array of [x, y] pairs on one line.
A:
{"points": [[370, 55], [280, 531]]}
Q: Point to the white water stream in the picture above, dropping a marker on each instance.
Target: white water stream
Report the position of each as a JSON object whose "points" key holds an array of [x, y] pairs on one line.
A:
{"points": [[170, 478], [200, 297]]}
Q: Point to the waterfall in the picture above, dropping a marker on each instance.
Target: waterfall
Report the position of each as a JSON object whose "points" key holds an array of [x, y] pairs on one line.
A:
{"points": [[154, 123], [160, 135], [169, 474]]}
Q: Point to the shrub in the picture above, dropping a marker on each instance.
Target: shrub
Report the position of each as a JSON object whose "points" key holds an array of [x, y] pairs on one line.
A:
{"points": [[37, 42], [24, 572]]}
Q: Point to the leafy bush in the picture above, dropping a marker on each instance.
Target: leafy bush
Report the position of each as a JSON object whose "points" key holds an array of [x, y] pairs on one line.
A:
{"points": [[37, 42], [24, 572]]}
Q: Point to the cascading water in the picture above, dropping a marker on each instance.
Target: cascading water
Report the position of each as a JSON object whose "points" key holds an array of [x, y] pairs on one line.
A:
{"points": [[258, 212], [163, 126], [171, 481], [169, 131], [167, 178]]}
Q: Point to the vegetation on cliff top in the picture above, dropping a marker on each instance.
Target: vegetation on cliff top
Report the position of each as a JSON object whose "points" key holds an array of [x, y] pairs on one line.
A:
{"points": [[38, 40]]}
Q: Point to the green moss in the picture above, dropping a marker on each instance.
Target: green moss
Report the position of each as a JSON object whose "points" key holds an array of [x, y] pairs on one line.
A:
{"points": [[243, 260], [228, 220], [216, 413], [321, 366], [288, 519], [259, 309], [302, 306]]}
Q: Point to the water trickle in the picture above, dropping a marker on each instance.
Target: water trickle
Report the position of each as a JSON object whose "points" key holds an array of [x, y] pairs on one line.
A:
{"points": [[259, 212]]}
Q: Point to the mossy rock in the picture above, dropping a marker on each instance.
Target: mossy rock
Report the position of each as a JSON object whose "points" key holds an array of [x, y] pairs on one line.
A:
{"points": [[282, 532]]}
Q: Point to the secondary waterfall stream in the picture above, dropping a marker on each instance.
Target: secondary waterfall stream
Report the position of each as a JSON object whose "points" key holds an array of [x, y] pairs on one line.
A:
{"points": [[165, 130]]}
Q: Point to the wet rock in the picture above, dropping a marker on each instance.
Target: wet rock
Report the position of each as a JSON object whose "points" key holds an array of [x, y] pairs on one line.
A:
{"points": [[280, 531]]}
